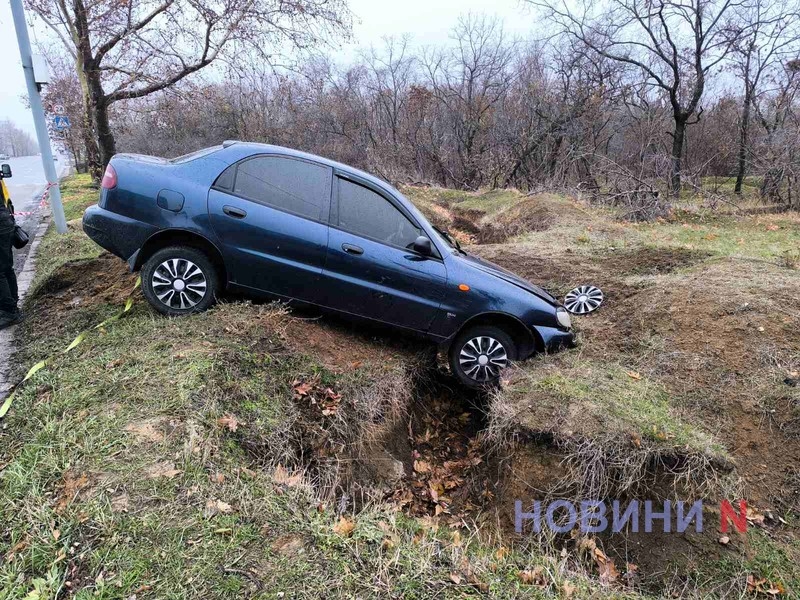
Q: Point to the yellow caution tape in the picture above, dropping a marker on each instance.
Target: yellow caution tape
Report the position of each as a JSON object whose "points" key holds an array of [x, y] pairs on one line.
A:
{"points": [[77, 341]]}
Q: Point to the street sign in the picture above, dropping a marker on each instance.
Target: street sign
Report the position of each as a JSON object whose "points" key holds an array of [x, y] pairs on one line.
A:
{"points": [[58, 109], [61, 122]]}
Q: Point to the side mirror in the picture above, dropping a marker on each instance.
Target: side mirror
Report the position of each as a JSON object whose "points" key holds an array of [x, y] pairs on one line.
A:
{"points": [[6, 168], [422, 245]]}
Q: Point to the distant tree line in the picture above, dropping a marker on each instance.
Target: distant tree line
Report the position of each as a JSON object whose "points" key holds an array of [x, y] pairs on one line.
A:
{"points": [[14, 141], [631, 100]]}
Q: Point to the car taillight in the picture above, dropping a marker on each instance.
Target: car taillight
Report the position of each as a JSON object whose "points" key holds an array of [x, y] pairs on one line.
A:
{"points": [[109, 178]]}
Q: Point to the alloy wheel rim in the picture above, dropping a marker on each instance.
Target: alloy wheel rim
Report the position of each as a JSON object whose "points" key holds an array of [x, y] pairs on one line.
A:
{"points": [[179, 284], [482, 358], [583, 299]]}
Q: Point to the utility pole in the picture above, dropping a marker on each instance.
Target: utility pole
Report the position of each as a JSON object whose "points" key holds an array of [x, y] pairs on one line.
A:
{"points": [[35, 99]]}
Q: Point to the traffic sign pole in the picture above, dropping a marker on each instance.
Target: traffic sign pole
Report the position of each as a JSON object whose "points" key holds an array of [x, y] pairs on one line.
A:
{"points": [[42, 136]]}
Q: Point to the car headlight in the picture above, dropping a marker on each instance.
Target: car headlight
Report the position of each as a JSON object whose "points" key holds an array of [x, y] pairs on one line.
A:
{"points": [[563, 318]]}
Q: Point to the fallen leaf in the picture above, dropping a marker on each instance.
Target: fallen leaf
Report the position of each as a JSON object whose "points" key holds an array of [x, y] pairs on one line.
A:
{"points": [[229, 421], [568, 589], [301, 388], [163, 469], [17, 548], [608, 571], [345, 527], [455, 578], [282, 477], [215, 507], [724, 540], [533, 576], [634, 375], [420, 466], [72, 485]]}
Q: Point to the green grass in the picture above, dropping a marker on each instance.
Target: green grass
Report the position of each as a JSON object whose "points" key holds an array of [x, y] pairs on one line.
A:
{"points": [[613, 400], [770, 237], [490, 202], [78, 192], [777, 563]]}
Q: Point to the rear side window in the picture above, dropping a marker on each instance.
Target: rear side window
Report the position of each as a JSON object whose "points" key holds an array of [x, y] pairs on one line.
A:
{"points": [[293, 185], [225, 181], [365, 213]]}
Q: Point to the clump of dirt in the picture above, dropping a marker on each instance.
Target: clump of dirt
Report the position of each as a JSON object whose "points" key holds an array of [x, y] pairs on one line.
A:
{"points": [[345, 347], [650, 261], [105, 279], [527, 216], [74, 287]]}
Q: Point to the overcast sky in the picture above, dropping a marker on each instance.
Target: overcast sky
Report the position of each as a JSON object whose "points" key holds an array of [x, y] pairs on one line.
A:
{"points": [[428, 21]]}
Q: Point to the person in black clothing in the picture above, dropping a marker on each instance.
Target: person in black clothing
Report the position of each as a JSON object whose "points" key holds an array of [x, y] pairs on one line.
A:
{"points": [[9, 314]]}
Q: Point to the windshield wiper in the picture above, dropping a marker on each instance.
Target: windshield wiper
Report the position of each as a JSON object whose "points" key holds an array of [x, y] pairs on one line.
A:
{"points": [[453, 241]]}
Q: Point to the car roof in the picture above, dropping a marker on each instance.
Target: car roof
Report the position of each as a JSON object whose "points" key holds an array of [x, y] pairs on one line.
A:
{"points": [[256, 148]]}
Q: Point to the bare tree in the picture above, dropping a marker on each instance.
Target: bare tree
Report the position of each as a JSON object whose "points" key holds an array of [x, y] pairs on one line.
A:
{"points": [[468, 82], [674, 44], [771, 37], [777, 112], [131, 49]]}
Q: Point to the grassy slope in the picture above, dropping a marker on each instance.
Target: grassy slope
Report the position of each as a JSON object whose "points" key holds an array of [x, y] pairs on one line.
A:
{"points": [[118, 479]]}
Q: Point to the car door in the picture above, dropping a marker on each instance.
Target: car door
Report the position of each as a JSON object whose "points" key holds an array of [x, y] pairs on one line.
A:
{"points": [[270, 214], [370, 269]]}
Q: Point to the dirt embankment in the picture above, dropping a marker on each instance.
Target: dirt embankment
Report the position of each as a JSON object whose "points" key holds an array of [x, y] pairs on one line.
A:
{"points": [[717, 338]]}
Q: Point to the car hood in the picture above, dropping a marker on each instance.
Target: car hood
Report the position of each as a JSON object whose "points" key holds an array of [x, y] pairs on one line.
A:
{"points": [[506, 275]]}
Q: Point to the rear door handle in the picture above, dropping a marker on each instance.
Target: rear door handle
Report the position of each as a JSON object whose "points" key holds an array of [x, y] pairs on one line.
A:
{"points": [[232, 211], [351, 249]]}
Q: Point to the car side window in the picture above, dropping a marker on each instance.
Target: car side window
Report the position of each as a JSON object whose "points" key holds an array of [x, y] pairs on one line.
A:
{"points": [[365, 213], [226, 179], [289, 184]]}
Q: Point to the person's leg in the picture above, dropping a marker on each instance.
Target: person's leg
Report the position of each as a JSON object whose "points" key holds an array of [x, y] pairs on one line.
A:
{"points": [[8, 280]]}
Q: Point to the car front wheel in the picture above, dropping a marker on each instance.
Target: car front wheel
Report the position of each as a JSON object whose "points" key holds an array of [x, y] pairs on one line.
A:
{"points": [[479, 354], [179, 280]]}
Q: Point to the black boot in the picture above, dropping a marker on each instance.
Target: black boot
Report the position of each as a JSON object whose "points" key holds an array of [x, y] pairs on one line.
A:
{"points": [[9, 319]]}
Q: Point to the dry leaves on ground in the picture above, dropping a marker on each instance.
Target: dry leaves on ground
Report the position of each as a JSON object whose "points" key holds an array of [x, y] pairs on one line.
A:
{"points": [[345, 527]]}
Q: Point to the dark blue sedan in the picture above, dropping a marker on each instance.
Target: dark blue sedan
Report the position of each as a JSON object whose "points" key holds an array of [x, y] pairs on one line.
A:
{"points": [[271, 221]]}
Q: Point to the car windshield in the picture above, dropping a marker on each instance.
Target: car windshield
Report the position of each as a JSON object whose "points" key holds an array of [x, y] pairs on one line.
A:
{"points": [[193, 155]]}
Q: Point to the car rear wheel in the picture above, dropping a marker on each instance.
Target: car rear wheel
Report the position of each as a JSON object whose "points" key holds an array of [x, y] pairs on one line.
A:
{"points": [[479, 354], [179, 280]]}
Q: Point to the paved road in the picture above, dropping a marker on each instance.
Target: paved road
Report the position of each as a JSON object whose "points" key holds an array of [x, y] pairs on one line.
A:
{"points": [[26, 185], [28, 180]]}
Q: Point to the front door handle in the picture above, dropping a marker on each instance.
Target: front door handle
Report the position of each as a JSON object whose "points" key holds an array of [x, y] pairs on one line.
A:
{"points": [[351, 249], [232, 211]]}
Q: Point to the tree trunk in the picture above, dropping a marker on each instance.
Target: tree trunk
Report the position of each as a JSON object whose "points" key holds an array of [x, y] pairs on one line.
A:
{"points": [[743, 133], [107, 143], [677, 156], [93, 166]]}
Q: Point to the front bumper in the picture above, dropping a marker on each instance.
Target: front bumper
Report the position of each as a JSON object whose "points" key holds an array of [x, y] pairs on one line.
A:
{"points": [[122, 236], [554, 339]]}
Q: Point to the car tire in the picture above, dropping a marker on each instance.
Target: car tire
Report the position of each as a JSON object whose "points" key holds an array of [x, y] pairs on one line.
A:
{"points": [[481, 344], [180, 280]]}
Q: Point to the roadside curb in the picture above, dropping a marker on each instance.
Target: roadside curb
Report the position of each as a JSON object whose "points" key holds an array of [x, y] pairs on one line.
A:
{"points": [[24, 280]]}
